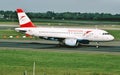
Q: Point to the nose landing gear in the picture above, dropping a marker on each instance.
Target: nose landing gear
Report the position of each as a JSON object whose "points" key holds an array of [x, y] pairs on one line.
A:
{"points": [[97, 44]]}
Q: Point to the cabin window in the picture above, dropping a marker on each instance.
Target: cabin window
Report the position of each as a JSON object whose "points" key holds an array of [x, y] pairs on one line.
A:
{"points": [[106, 34]]}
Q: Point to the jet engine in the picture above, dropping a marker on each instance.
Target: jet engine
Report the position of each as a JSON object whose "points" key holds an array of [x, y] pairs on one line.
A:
{"points": [[71, 42]]}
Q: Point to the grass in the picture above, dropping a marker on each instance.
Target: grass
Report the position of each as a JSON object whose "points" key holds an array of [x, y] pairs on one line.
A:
{"points": [[9, 32], [115, 33], [15, 62], [9, 23], [5, 34]]}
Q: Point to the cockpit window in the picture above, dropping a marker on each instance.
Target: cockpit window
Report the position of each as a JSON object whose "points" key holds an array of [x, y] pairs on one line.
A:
{"points": [[106, 34]]}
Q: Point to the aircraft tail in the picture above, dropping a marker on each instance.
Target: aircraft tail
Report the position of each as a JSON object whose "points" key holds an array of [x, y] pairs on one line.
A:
{"points": [[24, 20]]}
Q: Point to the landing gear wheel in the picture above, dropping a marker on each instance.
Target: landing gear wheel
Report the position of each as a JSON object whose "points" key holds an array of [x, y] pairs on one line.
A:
{"points": [[77, 44], [97, 46]]}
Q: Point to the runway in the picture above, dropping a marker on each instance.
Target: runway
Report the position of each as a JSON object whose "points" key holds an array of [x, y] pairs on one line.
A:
{"points": [[113, 46]]}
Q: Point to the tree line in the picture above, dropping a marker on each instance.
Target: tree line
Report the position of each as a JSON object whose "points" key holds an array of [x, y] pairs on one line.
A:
{"points": [[12, 16]]}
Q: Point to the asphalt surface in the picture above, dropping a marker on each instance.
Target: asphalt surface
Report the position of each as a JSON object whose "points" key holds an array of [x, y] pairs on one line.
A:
{"points": [[113, 46]]}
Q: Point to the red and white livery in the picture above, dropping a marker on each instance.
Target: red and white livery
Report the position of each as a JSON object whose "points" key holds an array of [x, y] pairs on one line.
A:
{"points": [[65, 36]]}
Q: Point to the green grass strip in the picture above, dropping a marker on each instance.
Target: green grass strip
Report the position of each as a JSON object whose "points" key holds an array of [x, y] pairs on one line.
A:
{"points": [[15, 62]]}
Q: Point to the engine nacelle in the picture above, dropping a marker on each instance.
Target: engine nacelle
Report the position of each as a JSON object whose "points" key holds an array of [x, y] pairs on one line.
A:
{"points": [[70, 42]]}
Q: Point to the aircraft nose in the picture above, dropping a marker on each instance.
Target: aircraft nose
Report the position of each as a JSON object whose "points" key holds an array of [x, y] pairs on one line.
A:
{"points": [[111, 37]]}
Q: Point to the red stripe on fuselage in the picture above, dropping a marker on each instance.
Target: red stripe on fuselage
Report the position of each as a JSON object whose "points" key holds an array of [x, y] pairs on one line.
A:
{"points": [[29, 24]]}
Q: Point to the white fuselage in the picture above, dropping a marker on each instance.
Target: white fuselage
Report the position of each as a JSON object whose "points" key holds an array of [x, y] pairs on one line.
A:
{"points": [[65, 36], [69, 33]]}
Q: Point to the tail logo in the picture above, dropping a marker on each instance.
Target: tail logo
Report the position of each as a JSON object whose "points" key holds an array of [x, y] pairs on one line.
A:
{"points": [[22, 17]]}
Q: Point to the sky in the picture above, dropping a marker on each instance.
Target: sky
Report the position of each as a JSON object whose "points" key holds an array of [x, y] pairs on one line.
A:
{"points": [[83, 6]]}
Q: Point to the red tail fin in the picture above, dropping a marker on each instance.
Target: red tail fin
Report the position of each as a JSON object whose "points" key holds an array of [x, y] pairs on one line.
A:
{"points": [[24, 20]]}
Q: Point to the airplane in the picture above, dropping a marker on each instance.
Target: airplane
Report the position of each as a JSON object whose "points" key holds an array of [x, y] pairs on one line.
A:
{"points": [[72, 37]]}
